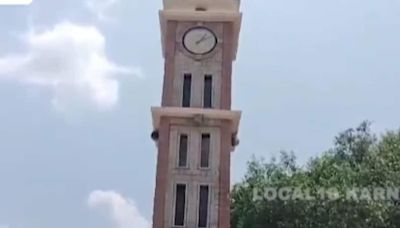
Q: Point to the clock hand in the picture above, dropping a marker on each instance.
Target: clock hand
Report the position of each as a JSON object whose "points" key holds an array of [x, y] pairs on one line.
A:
{"points": [[208, 37], [202, 38]]}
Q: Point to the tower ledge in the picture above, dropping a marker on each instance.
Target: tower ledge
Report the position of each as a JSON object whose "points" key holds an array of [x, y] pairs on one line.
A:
{"points": [[193, 113]]}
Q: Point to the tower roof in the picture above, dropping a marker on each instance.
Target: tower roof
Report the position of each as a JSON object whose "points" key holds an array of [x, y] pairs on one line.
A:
{"points": [[208, 5]]}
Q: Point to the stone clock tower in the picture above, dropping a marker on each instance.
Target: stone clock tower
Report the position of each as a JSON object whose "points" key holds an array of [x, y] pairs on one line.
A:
{"points": [[195, 129]]}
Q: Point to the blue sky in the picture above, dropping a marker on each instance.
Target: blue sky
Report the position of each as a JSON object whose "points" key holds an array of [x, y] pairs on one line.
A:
{"points": [[77, 79]]}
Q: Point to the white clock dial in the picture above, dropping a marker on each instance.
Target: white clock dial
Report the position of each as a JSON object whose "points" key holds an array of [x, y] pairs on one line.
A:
{"points": [[199, 40]]}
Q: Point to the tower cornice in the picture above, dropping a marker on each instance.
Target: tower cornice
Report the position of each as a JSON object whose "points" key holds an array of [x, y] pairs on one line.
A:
{"points": [[193, 113], [209, 5]]}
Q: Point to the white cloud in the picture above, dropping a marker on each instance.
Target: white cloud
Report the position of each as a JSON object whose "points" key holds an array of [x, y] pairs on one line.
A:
{"points": [[122, 211], [101, 8], [15, 3], [71, 62]]}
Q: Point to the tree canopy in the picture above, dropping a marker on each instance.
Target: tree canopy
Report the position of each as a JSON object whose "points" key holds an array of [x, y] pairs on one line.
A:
{"points": [[358, 160]]}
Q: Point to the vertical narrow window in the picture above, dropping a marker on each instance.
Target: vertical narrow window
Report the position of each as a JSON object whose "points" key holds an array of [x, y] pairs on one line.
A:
{"points": [[183, 151], [180, 205], [207, 103], [187, 90], [203, 206], [205, 151]]}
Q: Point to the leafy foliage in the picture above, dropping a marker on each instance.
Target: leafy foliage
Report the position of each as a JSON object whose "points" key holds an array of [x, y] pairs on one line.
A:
{"points": [[357, 159]]}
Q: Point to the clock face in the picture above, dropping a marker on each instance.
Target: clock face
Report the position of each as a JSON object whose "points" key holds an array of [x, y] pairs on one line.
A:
{"points": [[199, 40]]}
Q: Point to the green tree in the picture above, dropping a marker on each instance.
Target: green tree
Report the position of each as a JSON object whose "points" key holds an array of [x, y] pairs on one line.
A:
{"points": [[357, 159]]}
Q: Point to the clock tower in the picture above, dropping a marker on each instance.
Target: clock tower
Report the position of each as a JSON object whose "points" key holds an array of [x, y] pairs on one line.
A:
{"points": [[195, 129]]}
